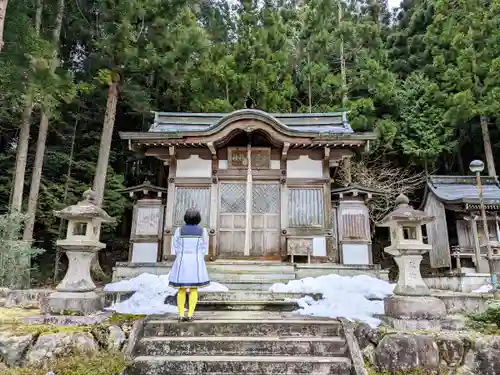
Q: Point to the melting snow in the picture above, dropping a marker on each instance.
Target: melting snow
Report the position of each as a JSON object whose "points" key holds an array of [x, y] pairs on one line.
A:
{"points": [[346, 297], [356, 298], [150, 294], [483, 289]]}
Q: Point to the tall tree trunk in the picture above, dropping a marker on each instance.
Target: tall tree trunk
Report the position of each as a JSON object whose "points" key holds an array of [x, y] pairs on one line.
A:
{"points": [[3, 11], [42, 133], [490, 161], [106, 138], [24, 134], [103, 159]]}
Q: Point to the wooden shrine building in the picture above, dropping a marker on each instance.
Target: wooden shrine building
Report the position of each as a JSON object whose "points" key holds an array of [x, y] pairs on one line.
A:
{"points": [[278, 206], [458, 230]]}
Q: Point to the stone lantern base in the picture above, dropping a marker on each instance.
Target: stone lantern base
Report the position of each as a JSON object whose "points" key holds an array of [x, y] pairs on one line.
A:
{"points": [[414, 312], [84, 303]]}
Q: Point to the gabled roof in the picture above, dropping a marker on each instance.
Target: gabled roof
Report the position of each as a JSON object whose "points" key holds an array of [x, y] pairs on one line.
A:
{"points": [[146, 185], [355, 190], [172, 122], [216, 129], [463, 189]]}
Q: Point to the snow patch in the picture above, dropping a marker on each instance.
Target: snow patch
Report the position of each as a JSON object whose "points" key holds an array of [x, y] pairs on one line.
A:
{"points": [[356, 298], [150, 294], [483, 289]]}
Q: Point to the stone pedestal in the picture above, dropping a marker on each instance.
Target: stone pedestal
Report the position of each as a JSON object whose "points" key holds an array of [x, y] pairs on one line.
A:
{"points": [[75, 302], [412, 312], [77, 278], [76, 293], [410, 282]]}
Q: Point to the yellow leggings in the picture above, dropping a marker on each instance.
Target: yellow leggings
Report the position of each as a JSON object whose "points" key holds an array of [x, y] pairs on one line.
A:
{"points": [[181, 301]]}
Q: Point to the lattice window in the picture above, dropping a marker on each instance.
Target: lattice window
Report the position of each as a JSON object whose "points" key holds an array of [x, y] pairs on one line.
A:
{"points": [[265, 199], [191, 197], [306, 207], [233, 198]]}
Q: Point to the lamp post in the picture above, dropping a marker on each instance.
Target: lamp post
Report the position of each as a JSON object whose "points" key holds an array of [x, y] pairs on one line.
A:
{"points": [[477, 166]]}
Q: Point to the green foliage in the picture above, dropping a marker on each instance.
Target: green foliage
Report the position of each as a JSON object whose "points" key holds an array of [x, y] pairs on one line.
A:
{"points": [[15, 254], [102, 363], [424, 134], [487, 322], [421, 82]]}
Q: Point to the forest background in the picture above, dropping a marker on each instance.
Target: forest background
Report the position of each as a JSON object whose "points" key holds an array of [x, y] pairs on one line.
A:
{"points": [[425, 77]]}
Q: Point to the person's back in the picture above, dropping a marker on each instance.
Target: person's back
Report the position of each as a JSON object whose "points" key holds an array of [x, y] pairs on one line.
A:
{"points": [[190, 245]]}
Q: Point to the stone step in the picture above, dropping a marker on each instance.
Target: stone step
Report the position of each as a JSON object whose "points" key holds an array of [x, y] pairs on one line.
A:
{"points": [[226, 277], [191, 365], [236, 295], [253, 285], [246, 346], [250, 267], [244, 295], [243, 327], [263, 305]]}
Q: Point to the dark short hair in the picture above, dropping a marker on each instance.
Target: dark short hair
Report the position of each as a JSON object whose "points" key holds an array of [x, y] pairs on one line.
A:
{"points": [[192, 217]]}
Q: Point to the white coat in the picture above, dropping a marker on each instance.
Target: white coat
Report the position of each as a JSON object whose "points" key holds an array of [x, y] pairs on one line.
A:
{"points": [[190, 245]]}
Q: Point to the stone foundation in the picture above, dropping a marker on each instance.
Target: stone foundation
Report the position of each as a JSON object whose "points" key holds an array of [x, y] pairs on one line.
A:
{"points": [[81, 303], [466, 353]]}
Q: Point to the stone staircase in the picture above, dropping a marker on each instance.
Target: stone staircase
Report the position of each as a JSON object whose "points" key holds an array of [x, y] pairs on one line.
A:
{"points": [[236, 342], [247, 330]]}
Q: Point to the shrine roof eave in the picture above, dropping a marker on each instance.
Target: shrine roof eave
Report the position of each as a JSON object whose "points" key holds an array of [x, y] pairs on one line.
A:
{"points": [[183, 137], [462, 190]]}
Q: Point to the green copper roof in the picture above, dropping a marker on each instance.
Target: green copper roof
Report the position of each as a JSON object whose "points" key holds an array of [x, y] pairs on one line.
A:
{"points": [[173, 122]]}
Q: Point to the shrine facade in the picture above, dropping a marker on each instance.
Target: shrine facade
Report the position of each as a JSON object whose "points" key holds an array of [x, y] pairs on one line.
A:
{"points": [[264, 184]]}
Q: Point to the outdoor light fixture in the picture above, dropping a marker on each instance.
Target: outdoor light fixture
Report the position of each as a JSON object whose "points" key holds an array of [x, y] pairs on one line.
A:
{"points": [[477, 166]]}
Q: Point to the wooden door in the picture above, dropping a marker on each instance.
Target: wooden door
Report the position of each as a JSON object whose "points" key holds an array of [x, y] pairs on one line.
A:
{"points": [[265, 234], [232, 219]]}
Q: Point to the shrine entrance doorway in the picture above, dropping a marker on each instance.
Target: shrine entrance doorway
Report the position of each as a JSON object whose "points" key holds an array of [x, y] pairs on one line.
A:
{"points": [[249, 219]]}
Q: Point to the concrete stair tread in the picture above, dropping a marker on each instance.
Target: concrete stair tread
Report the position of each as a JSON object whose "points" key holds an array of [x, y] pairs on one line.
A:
{"points": [[246, 338], [249, 302], [222, 358], [256, 272], [317, 321]]}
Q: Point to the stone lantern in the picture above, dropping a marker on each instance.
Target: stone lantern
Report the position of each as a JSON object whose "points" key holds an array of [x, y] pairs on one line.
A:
{"points": [[76, 292], [411, 299]]}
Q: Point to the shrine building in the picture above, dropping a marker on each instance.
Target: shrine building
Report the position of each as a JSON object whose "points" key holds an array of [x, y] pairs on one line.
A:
{"points": [[280, 206]]}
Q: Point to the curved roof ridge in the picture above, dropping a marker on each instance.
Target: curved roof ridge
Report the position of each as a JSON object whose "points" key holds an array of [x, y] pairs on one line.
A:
{"points": [[220, 120]]}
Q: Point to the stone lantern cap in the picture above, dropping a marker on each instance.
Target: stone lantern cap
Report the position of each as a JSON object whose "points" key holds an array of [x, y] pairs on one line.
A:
{"points": [[404, 213], [85, 209]]}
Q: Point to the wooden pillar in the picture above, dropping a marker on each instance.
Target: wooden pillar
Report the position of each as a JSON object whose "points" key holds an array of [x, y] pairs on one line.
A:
{"points": [[169, 211], [248, 220], [284, 200], [327, 199], [477, 246], [214, 199]]}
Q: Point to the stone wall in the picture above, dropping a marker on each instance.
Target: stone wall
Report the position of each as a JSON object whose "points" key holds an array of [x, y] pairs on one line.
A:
{"points": [[35, 343], [398, 353]]}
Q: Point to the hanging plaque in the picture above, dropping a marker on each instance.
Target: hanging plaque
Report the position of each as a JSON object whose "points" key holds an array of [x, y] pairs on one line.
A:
{"points": [[238, 157]]}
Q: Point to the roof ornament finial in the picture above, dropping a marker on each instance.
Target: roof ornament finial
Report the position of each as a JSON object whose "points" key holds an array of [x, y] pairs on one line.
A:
{"points": [[89, 196], [402, 200], [249, 102]]}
